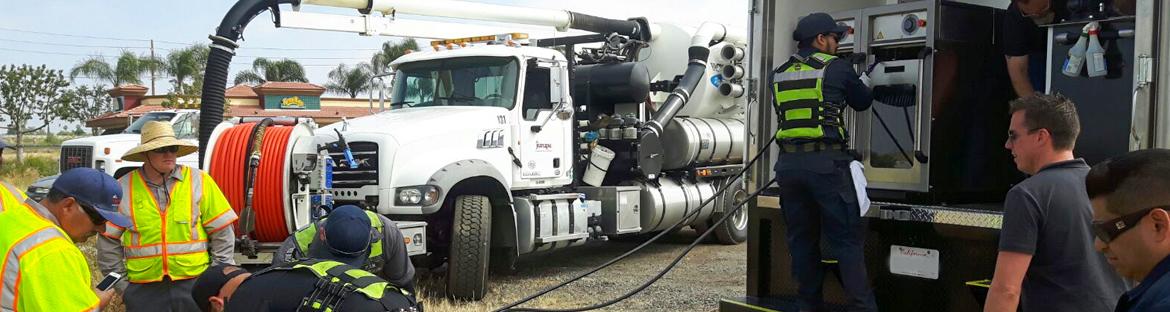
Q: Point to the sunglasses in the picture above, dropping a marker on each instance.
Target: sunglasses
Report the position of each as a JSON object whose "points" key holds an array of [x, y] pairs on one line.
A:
{"points": [[166, 150], [94, 216], [1108, 230], [1012, 135]]}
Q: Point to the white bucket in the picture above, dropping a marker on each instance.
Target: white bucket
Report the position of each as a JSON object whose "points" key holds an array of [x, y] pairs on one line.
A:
{"points": [[598, 165]]}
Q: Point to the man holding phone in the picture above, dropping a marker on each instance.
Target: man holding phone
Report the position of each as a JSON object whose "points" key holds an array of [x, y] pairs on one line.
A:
{"points": [[42, 269]]}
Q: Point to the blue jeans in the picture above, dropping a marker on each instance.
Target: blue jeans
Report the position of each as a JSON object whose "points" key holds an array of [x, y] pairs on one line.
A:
{"points": [[817, 197]]}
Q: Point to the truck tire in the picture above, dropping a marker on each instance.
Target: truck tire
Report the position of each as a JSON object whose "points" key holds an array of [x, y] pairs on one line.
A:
{"points": [[734, 230], [470, 245]]}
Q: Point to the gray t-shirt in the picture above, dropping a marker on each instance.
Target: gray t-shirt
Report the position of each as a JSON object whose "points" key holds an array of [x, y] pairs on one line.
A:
{"points": [[1048, 216]]}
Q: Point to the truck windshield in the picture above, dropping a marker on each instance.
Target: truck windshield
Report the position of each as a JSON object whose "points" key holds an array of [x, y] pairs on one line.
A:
{"points": [[136, 127], [464, 81]]}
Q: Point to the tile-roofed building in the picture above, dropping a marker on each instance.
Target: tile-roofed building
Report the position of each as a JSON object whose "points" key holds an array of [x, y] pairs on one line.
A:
{"points": [[270, 99]]}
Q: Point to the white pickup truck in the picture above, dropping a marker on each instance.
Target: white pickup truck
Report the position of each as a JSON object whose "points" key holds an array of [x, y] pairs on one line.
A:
{"points": [[104, 152]]}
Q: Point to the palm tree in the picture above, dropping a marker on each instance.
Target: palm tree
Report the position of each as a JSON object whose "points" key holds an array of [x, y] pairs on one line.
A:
{"points": [[129, 69], [186, 63], [264, 70], [380, 63], [350, 81]]}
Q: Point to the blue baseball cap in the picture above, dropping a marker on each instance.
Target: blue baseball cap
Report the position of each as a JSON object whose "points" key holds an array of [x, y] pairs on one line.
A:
{"points": [[815, 24], [95, 189], [348, 235]]}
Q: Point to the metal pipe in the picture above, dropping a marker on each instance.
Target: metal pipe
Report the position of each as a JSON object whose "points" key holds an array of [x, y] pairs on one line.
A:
{"points": [[560, 19]]}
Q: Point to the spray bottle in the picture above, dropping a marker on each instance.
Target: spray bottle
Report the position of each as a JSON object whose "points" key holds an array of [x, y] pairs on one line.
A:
{"points": [[1094, 53], [1076, 55]]}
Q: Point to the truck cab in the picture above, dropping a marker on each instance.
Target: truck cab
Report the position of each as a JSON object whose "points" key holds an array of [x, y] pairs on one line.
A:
{"points": [[104, 152], [461, 108]]}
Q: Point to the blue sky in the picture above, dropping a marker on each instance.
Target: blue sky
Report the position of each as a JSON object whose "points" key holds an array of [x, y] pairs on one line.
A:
{"points": [[173, 24]]}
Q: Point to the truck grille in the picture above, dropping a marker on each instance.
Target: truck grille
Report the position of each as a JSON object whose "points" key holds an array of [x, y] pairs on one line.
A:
{"points": [[76, 156], [366, 155]]}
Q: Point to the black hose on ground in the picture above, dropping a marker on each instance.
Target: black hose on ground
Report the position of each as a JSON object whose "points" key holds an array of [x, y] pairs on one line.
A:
{"points": [[676, 225], [223, 46], [665, 270]]}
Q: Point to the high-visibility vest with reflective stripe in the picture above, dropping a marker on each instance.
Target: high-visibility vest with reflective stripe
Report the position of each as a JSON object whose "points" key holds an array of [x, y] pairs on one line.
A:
{"points": [[40, 267], [800, 100], [170, 242], [305, 236], [10, 197], [339, 276]]}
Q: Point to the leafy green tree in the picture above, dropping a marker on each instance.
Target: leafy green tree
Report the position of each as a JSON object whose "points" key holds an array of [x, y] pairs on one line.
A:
{"points": [[187, 63], [380, 62], [265, 70], [129, 69], [28, 92], [85, 103], [349, 81]]}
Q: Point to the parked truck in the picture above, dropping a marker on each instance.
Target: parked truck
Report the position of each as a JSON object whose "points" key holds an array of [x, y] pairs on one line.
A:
{"points": [[104, 152], [502, 145], [936, 168]]}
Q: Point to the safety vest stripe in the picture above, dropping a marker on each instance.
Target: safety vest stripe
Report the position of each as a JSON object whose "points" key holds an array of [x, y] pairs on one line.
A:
{"points": [[128, 185], [156, 250], [113, 231], [797, 84], [196, 194], [220, 221], [10, 272], [798, 75], [14, 191]]}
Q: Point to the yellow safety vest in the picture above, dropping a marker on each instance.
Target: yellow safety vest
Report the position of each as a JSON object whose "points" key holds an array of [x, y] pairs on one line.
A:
{"points": [[800, 101], [10, 197], [170, 242], [40, 269]]}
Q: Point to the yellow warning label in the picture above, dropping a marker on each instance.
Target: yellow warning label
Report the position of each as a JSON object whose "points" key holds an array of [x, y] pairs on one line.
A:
{"points": [[880, 36]]}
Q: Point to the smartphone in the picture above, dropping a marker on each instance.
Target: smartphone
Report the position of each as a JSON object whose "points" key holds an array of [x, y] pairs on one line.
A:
{"points": [[109, 281]]}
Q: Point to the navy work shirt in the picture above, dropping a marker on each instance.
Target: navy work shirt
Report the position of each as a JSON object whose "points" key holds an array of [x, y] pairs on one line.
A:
{"points": [[839, 85], [1153, 294]]}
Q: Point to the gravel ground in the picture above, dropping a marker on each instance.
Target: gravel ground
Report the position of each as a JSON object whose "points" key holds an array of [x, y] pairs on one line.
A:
{"points": [[710, 272]]}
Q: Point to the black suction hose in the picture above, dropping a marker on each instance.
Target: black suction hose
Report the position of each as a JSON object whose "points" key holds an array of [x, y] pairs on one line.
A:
{"points": [[682, 94], [650, 152], [653, 239], [223, 46], [603, 25]]}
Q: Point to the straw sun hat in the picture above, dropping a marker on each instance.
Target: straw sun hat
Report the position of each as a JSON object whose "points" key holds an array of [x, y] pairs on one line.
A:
{"points": [[157, 135]]}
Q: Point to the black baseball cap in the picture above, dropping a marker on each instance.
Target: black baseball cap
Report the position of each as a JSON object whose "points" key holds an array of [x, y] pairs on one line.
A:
{"points": [[348, 235], [815, 24], [95, 189]]}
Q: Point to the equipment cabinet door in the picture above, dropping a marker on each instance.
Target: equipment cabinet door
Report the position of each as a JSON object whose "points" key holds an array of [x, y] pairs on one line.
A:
{"points": [[544, 132]]}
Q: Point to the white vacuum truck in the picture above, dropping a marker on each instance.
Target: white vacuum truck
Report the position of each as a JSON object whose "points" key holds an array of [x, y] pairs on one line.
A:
{"points": [[501, 147]]}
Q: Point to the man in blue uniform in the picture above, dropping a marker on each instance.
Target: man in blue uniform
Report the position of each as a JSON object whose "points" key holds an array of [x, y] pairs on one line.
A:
{"points": [[811, 91]]}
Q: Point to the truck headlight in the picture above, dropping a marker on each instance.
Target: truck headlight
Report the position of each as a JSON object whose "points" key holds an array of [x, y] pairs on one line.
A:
{"points": [[423, 195]]}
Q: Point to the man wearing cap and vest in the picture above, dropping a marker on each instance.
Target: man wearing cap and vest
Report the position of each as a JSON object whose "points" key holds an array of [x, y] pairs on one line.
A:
{"points": [[181, 224], [812, 90], [360, 238], [40, 267], [302, 285]]}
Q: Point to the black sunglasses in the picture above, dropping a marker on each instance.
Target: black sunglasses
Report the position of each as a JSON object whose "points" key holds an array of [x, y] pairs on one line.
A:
{"points": [[1108, 230], [93, 214], [166, 149]]}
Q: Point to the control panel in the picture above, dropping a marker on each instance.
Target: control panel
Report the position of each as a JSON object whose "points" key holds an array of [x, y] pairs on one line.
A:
{"points": [[899, 26]]}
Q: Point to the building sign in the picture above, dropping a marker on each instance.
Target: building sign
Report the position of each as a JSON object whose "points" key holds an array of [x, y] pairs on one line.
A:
{"points": [[292, 102]]}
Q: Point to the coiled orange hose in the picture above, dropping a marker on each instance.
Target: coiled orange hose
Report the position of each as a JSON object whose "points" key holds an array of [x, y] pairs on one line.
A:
{"points": [[227, 167]]}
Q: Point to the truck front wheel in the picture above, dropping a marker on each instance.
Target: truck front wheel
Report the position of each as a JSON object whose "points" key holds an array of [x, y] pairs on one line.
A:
{"points": [[470, 244]]}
